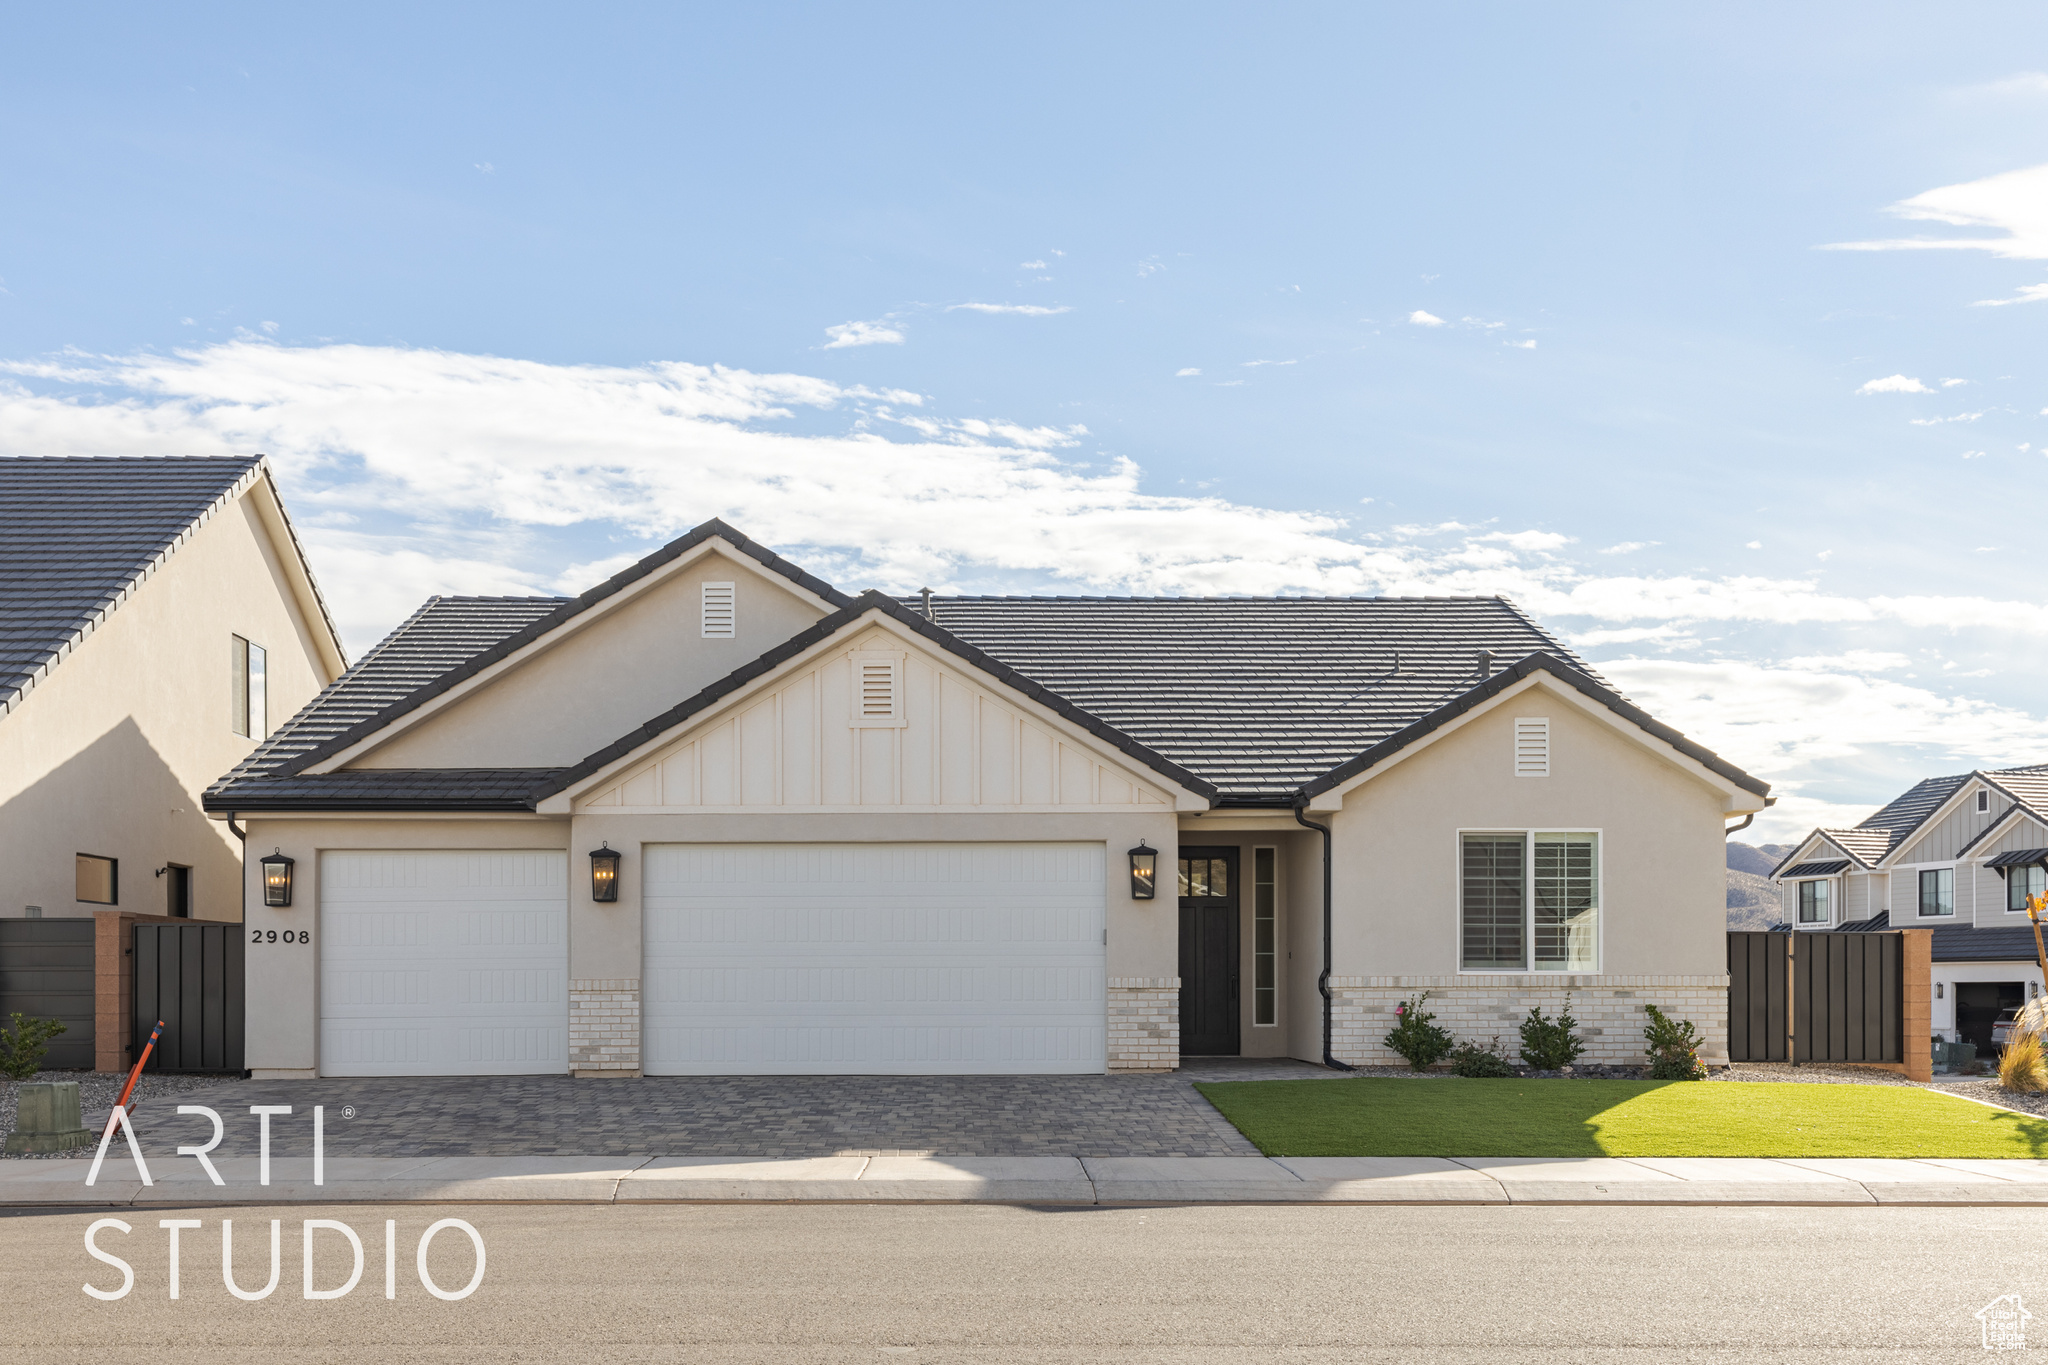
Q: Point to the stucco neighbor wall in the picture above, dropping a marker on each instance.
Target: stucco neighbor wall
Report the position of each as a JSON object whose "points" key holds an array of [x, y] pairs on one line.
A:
{"points": [[109, 753], [650, 654], [1663, 884]]}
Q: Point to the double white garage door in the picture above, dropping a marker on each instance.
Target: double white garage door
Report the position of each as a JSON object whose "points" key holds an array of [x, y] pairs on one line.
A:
{"points": [[803, 959]]}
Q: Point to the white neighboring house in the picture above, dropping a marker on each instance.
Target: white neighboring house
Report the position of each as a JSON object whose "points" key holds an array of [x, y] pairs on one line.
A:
{"points": [[1957, 855]]}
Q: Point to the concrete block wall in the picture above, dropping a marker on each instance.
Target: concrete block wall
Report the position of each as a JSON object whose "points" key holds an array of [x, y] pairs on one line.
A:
{"points": [[1609, 1010], [1144, 1023], [604, 1026]]}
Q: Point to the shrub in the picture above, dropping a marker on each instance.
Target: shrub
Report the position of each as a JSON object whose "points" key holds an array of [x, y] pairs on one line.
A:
{"points": [[1416, 1038], [1674, 1048], [1550, 1044], [22, 1047], [2021, 1066], [1481, 1063]]}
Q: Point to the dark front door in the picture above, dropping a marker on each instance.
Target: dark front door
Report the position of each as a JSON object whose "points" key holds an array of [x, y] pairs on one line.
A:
{"points": [[1208, 952], [1977, 1006], [178, 891]]}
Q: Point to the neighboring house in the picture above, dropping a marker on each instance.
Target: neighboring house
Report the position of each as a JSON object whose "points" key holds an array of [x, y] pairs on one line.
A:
{"points": [[1958, 855], [156, 619], [716, 816]]}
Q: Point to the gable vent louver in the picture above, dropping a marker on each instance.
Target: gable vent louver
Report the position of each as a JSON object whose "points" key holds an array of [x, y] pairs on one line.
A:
{"points": [[720, 617], [877, 699], [1532, 746]]}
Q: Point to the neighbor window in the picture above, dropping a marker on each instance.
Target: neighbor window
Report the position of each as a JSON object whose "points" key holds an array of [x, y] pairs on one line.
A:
{"points": [[1265, 963], [1529, 901], [1983, 801], [1938, 891], [2022, 882], [99, 880], [1813, 903], [249, 703]]}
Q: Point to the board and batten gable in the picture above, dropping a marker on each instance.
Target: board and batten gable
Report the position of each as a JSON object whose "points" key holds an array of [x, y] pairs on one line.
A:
{"points": [[109, 753], [1662, 853], [598, 678], [948, 741], [1945, 835]]}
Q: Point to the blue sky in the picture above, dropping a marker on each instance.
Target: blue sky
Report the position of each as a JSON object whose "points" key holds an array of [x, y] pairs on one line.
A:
{"points": [[1545, 301]]}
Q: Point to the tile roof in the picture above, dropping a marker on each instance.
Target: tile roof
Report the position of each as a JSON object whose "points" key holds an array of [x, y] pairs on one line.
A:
{"points": [[1887, 830], [1963, 942], [1257, 694], [78, 535], [439, 637]]}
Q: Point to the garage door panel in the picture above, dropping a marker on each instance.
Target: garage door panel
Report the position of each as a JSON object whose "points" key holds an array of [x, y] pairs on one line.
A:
{"points": [[874, 958], [444, 964]]}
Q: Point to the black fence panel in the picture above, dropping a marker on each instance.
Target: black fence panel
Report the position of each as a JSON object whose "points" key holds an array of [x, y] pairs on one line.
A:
{"points": [[1848, 993], [46, 970], [1758, 1025], [190, 976]]}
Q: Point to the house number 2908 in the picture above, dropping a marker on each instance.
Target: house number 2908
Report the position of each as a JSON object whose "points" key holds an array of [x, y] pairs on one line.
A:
{"points": [[270, 936]]}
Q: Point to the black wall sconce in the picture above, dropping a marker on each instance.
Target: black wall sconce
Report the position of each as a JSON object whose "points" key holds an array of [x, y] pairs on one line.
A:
{"points": [[1144, 872], [604, 874], [277, 880]]}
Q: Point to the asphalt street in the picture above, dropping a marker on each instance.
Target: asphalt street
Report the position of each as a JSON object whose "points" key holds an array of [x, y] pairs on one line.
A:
{"points": [[987, 1283]]}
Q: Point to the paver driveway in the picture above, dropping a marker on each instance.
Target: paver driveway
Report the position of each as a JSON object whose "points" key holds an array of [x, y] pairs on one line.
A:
{"points": [[764, 1116]]}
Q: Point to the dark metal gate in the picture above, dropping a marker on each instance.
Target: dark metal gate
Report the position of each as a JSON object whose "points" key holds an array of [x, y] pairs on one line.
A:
{"points": [[1816, 997], [190, 976], [46, 970]]}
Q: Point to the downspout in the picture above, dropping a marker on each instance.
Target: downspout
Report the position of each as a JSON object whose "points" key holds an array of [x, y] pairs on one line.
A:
{"points": [[243, 835], [1323, 980], [1747, 821]]}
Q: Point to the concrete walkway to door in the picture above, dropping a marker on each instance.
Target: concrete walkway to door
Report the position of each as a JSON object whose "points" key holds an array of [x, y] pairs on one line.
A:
{"points": [[1153, 1115]]}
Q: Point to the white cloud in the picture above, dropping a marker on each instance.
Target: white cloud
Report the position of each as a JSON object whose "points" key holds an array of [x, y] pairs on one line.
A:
{"points": [[2029, 293], [1183, 374], [2025, 84], [1030, 310], [1753, 545], [1895, 383], [1973, 454], [1150, 266], [1938, 421], [1528, 345], [1422, 319], [1481, 322], [269, 327], [1951, 383], [1629, 547], [2014, 205], [863, 334], [1033, 265], [1825, 555], [1254, 364]]}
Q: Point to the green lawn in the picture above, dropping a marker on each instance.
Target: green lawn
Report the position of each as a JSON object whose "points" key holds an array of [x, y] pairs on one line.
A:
{"points": [[1374, 1116]]}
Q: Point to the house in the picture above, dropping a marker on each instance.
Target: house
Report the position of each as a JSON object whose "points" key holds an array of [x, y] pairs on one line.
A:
{"points": [[717, 816], [1958, 855], [157, 617]]}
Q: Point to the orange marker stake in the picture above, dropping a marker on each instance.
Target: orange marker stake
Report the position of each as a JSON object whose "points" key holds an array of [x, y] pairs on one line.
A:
{"points": [[133, 1076]]}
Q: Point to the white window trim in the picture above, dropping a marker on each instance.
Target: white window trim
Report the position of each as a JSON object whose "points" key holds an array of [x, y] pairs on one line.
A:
{"points": [[1528, 903], [1278, 957], [1954, 915], [2005, 885], [1835, 886]]}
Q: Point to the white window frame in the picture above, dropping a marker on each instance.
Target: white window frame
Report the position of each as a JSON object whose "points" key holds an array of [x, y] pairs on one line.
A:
{"points": [[1919, 869], [1274, 850], [248, 688], [1834, 886], [2007, 886], [1983, 800], [1528, 902]]}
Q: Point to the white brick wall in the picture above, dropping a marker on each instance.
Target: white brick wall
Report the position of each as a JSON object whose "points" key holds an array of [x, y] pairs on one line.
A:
{"points": [[604, 1026], [1478, 1008], [1144, 1023]]}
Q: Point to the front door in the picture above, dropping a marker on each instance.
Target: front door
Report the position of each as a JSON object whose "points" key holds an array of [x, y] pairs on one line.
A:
{"points": [[1208, 952]]}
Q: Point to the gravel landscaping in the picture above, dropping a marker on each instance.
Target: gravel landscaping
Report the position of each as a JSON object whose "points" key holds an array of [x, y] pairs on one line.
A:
{"points": [[97, 1091]]}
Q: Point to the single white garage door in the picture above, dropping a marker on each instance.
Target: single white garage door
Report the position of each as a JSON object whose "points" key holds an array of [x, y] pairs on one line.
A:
{"points": [[878, 959], [444, 964]]}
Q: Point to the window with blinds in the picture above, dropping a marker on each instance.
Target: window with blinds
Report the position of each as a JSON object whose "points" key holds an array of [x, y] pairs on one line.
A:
{"points": [[1532, 746], [1529, 901], [720, 618]]}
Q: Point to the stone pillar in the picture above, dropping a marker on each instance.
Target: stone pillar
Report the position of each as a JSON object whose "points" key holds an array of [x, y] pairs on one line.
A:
{"points": [[1917, 980], [113, 985], [1144, 1023], [604, 1027]]}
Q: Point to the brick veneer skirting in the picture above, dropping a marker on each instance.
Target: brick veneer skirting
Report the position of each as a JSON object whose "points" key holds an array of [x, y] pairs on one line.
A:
{"points": [[1479, 1008], [604, 1026], [1144, 1023]]}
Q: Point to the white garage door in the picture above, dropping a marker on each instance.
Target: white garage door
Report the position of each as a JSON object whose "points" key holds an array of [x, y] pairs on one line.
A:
{"points": [[878, 959], [444, 964]]}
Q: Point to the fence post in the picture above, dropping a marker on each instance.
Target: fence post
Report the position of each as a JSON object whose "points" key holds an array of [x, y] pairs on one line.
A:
{"points": [[1916, 973]]}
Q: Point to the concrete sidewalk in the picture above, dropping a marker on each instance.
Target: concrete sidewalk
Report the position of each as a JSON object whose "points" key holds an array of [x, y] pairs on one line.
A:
{"points": [[1032, 1179]]}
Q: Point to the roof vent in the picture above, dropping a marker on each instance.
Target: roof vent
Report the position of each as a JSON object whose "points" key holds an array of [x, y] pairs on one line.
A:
{"points": [[1532, 746], [720, 616], [1485, 664], [876, 689]]}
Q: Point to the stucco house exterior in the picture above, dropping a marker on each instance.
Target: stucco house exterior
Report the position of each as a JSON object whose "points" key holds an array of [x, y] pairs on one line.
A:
{"points": [[156, 617], [1958, 855], [716, 816]]}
